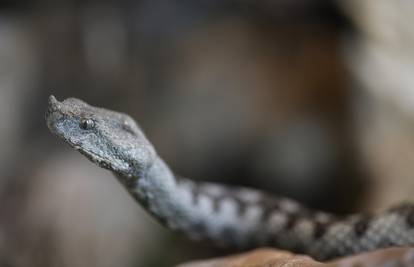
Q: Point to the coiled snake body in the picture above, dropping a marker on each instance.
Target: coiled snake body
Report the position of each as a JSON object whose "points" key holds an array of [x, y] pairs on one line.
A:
{"points": [[232, 216]]}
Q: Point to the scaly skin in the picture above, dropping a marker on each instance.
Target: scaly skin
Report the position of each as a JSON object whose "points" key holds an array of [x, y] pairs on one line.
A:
{"points": [[232, 216]]}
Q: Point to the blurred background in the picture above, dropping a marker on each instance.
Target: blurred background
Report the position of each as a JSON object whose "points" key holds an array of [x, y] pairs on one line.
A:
{"points": [[312, 99]]}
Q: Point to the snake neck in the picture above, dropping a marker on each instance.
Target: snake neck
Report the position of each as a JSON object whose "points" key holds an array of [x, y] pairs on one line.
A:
{"points": [[228, 216], [157, 190], [244, 218]]}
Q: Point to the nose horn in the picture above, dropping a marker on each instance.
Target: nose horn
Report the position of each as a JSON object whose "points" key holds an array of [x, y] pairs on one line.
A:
{"points": [[53, 105], [52, 100], [52, 112]]}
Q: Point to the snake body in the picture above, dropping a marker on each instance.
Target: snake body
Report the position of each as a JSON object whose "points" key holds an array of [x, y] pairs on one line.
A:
{"points": [[227, 215]]}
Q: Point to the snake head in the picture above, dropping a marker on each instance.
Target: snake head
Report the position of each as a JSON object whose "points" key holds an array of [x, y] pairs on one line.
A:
{"points": [[110, 139]]}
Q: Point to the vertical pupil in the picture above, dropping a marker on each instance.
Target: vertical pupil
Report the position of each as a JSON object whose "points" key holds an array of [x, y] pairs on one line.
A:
{"points": [[86, 124]]}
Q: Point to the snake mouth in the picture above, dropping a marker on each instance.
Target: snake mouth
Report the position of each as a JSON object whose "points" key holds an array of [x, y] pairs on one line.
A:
{"points": [[95, 158], [119, 167]]}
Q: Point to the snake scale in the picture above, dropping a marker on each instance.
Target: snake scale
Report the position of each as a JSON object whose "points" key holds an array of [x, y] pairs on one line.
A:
{"points": [[226, 215]]}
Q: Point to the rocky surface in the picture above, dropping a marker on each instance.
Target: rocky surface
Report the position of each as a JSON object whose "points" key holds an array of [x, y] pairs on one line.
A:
{"points": [[393, 257]]}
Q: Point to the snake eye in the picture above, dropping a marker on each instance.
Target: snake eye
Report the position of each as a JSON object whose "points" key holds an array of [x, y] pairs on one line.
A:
{"points": [[87, 124]]}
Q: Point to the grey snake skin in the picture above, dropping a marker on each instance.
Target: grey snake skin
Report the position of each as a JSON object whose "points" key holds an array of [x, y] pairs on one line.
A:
{"points": [[228, 216]]}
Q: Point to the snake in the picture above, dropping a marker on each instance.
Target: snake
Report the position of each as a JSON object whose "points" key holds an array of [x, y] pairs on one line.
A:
{"points": [[226, 215]]}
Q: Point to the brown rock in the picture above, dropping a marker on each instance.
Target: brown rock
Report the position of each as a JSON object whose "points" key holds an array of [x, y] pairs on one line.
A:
{"points": [[395, 257]]}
